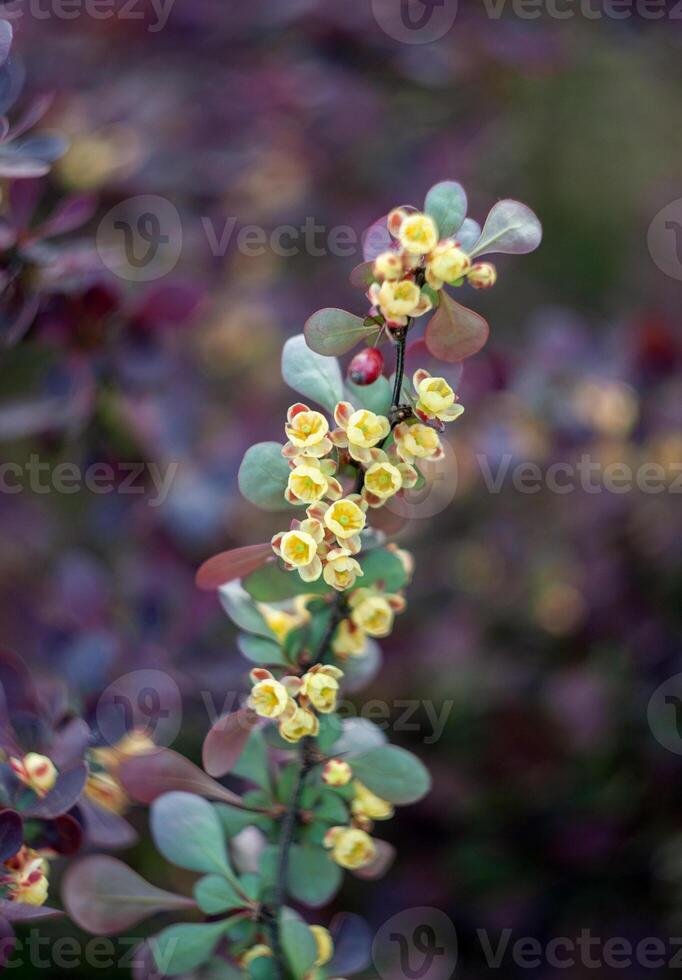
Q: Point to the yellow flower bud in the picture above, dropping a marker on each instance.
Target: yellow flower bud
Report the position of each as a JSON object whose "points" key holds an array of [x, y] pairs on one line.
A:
{"points": [[372, 613], [321, 687], [351, 848], [483, 275], [367, 804], [349, 640], [101, 788], [260, 949], [418, 234], [35, 771], [447, 263], [26, 877], [388, 265], [325, 945], [436, 399], [337, 773]]}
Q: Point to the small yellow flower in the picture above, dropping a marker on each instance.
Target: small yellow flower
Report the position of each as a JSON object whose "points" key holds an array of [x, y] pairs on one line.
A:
{"points": [[307, 432], [368, 804], [483, 275], [321, 687], [388, 265], [325, 945], [350, 640], [337, 773], [134, 743], [383, 480], [269, 698], [371, 613], [282, 621], [418, 234], [298, 723], [351, 848], [298, 548], [447, 263], [35, 771], [307, 482], [417, 441], [340, 570], [26, 877], [106, 791], [359, 430], [436, 399], [399, 300], [345, 518]]}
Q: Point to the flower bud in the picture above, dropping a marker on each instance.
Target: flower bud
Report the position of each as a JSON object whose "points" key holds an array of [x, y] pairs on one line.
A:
{"points": [[482, 275], [35, 771], [337, 773], [366, 366]]}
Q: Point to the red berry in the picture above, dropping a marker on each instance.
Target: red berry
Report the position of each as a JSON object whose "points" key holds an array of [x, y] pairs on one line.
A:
{"points": [[366, 366]]}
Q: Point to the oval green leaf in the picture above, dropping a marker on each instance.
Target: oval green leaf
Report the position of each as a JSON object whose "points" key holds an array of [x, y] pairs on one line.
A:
{"points": [[332, 332], [446, 203], [392, 773], [300, 947], [313, 877], [215, 894], [184, 947], [511, 227], [312, 375], [263, 476], [187, 831]]}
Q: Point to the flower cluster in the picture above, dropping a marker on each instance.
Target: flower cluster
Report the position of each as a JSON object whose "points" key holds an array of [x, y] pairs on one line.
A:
{"points": [[291, 700], [352, 846], [420, 257]]}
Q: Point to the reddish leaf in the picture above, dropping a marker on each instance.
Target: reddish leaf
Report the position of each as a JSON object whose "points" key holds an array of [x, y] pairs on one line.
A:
{"points": [[229, 565], [145, 777], [454, 332], [69, 744], [18, 912], [362, 275], [105, 829], [226, 741], [63, 836], [104, 896], [418, 355], [63, 795], [11, 834]]}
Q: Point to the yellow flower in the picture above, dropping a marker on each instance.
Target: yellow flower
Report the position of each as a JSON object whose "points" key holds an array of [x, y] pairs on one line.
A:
{"points": [[383, 480], [321, 687], [268, 697], [307, 432], [372, 613], [417, 441], [298, 548], [351, 848], [447, 263], [337, 773], [399, 300], [260, 949], [35, 771], [483, 275], [325, 945], [134, 743], [26, 877], [418, 234], [340, 570], [350, 640], [388, 265], [359, 430], [368, 804], [436, 399], [307, 482], [281, 621], [106, 792], [298, 723], [345, 518]]}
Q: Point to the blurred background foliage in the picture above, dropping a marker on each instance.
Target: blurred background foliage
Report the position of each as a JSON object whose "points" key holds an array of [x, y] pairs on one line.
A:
{"points": [[544, 620]]}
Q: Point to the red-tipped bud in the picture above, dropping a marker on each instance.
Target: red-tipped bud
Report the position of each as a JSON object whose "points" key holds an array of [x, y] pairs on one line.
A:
{"points": [[366, 366]]}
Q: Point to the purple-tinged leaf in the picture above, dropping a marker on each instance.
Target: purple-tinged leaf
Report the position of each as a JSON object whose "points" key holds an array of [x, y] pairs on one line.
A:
{"points": [[446, 203], [229, 565], [226, 741], [64, 836], [18, 912], [5, 40], [8, 739], [455, 332], [72, 213], [334, 332], [384, 858], [105, 829], [418, 356], [376, 239], [104, 896], [468, 234], [146, 777], [32, 115], [63, 795], [17, 682], [511, 227], [352, 945], [362, 275], [70, 743], [11, 834]]}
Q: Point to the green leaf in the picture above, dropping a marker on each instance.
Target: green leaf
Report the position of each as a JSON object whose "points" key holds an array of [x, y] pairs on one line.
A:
{"points": [[375, 397], [358, 672], [446, 203], [331, 809], [259, 650], [330, 727], [234, 820], [359, 735], [511, 227], [392, 773], [311, 374], [313, 877], [186, 946], [380, 565], [271, 583], [242, 610], [187, 831], [300, 947], [215, 895], [332, 332], [263, 476], [454, 331], [262, 968], [253, 763]]}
